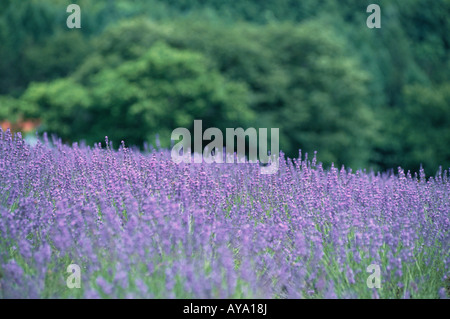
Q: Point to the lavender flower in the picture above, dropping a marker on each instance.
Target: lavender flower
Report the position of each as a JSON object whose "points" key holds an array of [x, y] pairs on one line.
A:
{"points": [[143, 226]]}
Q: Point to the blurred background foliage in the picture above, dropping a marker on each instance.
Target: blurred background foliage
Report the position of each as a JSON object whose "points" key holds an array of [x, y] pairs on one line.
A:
{"points": [[366, 98]]}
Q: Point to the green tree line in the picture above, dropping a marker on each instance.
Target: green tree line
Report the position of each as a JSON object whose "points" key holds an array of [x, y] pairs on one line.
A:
{"points": [[366, 98]]}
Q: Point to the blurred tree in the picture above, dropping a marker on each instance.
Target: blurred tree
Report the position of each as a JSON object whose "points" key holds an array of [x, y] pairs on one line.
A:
{"points": [[57, 57], [22, 24], [163, 89], [425, 127], [303, 85], [325, 104], [13, 110], [62, 105]]}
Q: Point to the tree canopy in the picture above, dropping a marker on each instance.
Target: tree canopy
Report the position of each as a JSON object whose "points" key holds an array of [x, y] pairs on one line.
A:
{"points": [[373, 98]]}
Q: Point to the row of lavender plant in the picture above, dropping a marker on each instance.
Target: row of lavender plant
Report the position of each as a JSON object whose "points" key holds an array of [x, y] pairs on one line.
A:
{"points": [[141, 226]]}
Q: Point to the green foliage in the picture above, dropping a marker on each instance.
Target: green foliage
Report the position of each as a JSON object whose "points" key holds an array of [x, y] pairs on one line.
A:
{"points": [[57, 57], [426, 131], [22, 24], [311, 68], [13, 109], [62, 104], [165, 88], [325, 101]]}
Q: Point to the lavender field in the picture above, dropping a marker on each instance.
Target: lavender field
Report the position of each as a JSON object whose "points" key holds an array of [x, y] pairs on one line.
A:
{"points": [[141, 226]]}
